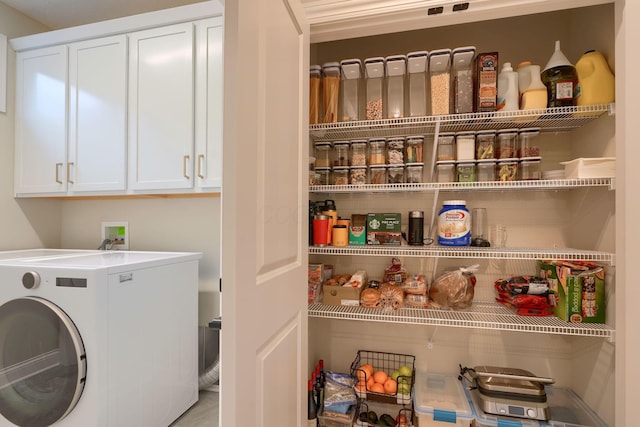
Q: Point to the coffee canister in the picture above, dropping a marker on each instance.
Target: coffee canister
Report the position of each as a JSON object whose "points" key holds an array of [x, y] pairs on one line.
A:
{"points": [[416, 228], [454, 224]]}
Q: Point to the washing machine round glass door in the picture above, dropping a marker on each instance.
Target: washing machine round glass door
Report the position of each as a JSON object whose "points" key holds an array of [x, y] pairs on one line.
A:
{"points": [[42, 362]]}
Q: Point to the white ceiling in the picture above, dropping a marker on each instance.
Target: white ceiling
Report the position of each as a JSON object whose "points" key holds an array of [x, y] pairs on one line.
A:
{"points": [[58, 14]]}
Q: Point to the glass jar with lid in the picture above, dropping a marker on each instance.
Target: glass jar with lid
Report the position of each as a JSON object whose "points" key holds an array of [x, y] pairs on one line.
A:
{"points": [[323, 154], [395, 150], [351, 76], [377, 151], [414, 147], [378, 174], [359, 152], [341, 153]]}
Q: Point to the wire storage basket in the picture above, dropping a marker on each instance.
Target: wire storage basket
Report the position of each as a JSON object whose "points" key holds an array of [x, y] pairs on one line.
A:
{"points": [[373, 414], [373, 369]]}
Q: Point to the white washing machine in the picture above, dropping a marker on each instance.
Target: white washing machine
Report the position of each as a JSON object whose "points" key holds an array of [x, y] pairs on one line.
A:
{"points": [[96, 339]]}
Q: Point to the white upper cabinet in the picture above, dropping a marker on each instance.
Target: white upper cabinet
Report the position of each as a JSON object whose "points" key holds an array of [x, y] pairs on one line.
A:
{"points": [[41, 125], [97, 115], [209, 91], [161, 108]]}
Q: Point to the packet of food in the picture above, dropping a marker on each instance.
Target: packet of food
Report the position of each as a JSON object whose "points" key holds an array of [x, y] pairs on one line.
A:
{"points": [[454, 289], [395, 273]]}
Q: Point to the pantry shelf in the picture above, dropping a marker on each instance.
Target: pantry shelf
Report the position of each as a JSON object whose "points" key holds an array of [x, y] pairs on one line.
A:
{"points": [[481, 315], [543, 184], [557, 119], [467, 252]]}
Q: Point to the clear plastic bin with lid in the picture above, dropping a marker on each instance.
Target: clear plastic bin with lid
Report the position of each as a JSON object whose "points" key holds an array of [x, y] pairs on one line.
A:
{"points": [[374, 76], [351, 72], [396, 67], [330, 91], [417, 71], [462, 71], [440, 81]]}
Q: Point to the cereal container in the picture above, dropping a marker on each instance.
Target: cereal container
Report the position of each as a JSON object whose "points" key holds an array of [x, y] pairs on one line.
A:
{"points": [[315, 73], [506, 143], [323, 154], [526, 148], [465, 145], [374, 75], [351, 77], [330, 91], [414, 173], [446, 146], [417, 69], [358, 175], [439, 72], [378, 174], [359, 152], [395, 150], [396, 70], [485, 144], [341, 153], [377, 151], [341, 175], [414, 147], [462, 70]]}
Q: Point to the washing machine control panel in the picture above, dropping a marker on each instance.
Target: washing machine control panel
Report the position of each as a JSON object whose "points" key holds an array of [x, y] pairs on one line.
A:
{"points": [[31, 280]]}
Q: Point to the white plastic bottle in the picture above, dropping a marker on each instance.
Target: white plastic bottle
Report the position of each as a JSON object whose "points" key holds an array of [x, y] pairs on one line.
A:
{"points": [[508, 98], [533, 93]]}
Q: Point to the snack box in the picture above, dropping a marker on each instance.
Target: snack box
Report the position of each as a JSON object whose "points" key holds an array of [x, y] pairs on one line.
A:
{"points": [[384, 229], [577, 290], [440, 401]]}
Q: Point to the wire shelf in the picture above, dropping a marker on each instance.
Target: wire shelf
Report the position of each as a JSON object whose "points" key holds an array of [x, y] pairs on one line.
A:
{"points": [[557, 119], [543, 184], [481, 315], [436, 251]]}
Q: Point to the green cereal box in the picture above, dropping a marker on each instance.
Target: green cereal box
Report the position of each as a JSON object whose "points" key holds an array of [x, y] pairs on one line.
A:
{"points": [[384, 229], [577, 290]]}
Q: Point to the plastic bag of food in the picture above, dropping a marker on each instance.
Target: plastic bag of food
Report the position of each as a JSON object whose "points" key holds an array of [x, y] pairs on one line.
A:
{"points": [[416, 301], [391, 296], [338, 392], [415, 284], [454, 289], [395, 273], [370, 297]]}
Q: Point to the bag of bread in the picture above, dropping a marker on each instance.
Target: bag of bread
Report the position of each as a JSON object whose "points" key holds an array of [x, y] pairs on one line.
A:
{"points": [[416, 301], [395, 273], [454, 289], [391, 296], [415, 284], [370, 298]]}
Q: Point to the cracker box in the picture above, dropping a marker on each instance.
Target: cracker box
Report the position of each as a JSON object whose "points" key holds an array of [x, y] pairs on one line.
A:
{"points": [[485, 81], [384, 229], [577, 290]]}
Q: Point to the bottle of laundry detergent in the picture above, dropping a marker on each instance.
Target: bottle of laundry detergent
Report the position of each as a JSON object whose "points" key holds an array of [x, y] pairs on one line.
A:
{"points": [[561, 80], [507, 88], [596, 81]]}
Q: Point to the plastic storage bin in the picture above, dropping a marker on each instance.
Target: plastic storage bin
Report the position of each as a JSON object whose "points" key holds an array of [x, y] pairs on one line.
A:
{"points": [[526, 148], [325, 419], [417, 70], [440, 401], [446, 146], [462, 70], [359, 152], [507, 170], [506, 144], [440, 78], [341, 175], [600, 167], [486, 170], [374, 75], [396, 69], [445, 171], [465, 145], [315, 74], [395, 150], [466, 171], [568, 410], [324, 176], [485, 144], [414, 149], [395, 174], [323, 154], [414, 173], [529, 169], [358, 175], [351, 76], [341, 153], [378, 174], [330, 91], [377, 151]]}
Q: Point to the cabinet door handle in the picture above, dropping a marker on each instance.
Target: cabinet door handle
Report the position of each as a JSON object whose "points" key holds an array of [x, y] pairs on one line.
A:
{"points": [[200, 164], [69, 180], [58, 166], [185, 161]]}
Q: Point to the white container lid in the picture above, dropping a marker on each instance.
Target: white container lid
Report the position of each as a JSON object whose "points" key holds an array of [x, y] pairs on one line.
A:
{"points": [[415, 165], [374, 67], [441, 396], [531, 131], [440, 60], [557, 59], [396, 65], [351, 68], [417, 61], [462, 57], [445, 163]]}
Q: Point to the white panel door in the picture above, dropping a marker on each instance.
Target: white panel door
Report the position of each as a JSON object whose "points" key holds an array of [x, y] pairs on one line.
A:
{"points": [[209, 103], [41, 131], [264, 208], [97, 115], [161, 108]]}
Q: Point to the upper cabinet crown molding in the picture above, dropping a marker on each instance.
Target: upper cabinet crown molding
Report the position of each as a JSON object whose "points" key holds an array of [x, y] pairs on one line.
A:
{"points": [[176, 15], [341, 19]]}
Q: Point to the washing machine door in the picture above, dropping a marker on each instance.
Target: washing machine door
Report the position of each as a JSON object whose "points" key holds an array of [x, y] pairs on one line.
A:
{"points": [[42, 362]]}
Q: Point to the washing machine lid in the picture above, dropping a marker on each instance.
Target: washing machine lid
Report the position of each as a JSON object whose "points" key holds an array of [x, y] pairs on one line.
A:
{"points": [[42, 363]]}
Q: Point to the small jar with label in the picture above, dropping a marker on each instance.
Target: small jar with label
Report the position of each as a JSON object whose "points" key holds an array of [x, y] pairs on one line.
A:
{"points": [[341, 153], [395, 174], [446, 146], [465, 145], [529, 169], [485, 144], [414, 149], [358, 175], [507, 170], [341, 175], [414, 173], [378, 174], [377, 151], [324, 176], [506, 143], [466, 171], [526, 148], [359, 152], [395, 151], [486, 170], [445, 171], [323, 154]]}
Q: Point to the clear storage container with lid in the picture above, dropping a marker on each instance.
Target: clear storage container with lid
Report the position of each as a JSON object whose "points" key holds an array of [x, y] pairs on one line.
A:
{"points": [[359, 152], [324, 176], [396, 67], [323, 154], [378, 174], [414, 148], [486, 170], [465, 145], [351, 82], [358, 175], [395, 150], [417, 70], [445, 171], [506, 144], [440, 78], [330, 91], [341, 175], [377, 151], [395, 174], [414, 173], [526, 148], [446, 146], [507, 170], [440, 400], [374, 75], [315, 73], [485, 144], [529, 169], [466, 171], [341, 153], [462, 70]]}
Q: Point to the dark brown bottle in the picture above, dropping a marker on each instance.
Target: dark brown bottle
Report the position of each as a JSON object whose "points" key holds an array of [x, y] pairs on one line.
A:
{"points": [[561, 79]]}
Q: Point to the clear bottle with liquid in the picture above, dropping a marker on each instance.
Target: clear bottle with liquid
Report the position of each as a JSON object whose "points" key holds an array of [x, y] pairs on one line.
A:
{"points": [[561, 80]]}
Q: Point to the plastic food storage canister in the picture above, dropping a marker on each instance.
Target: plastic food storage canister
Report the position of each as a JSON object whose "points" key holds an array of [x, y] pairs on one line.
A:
{"points": [[396, 66], [485, 144], [417, 70], [526, 148], [330, 91], [530, 168], [440, 400], [466, 171], [507, 170], [315, 73], [374, 75], [359, 152], [395, 150], [358, 175], [446, 146], [377, 151], [486, 170], [445, 171], [341, 175], [324, 176], [351, 78], [414, 147], [462, 70], [465, 145], [395, 174], [454, 224], [323, 154], [439, 72], [378, 174], [414, 173], [506, 143], [341, 153]]}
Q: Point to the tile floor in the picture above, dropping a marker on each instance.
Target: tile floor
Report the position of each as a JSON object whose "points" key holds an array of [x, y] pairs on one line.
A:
{"points": [[203, 414]]}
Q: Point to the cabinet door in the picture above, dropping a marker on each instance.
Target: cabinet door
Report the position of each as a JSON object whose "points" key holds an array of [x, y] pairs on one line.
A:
{"points": [[97, 115], [161, 108], [208, 119], [41, 107]]}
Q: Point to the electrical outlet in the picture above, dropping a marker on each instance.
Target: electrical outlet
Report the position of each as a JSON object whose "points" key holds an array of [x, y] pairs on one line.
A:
{"points": [[118, 233]]}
